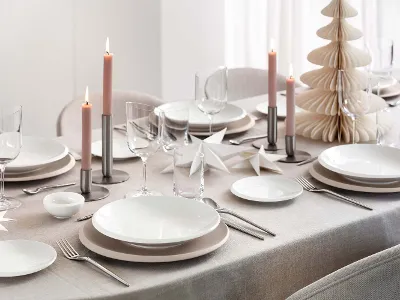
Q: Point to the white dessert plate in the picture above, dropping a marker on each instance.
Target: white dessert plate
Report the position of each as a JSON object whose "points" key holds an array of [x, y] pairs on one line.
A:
{"points": [[336, 180], [22, 257], [363, 161], [48, 171], [108, 247], [232, 128], [230, 113], [155, 220], [390, 91], [280, 103], [120, 148], [36, 152], [267, 188]]}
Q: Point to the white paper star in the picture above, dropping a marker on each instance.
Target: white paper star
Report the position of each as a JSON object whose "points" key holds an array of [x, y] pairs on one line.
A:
{"points": [[259, 160], [2, 219], [214, 152]]}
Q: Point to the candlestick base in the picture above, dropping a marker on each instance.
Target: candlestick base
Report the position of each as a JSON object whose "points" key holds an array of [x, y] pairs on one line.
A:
{"points": [[117, 176], [267, 147], [96, 193], [293, 155]]}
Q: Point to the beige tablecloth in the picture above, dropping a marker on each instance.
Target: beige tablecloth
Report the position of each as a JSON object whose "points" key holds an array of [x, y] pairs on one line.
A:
{"points": [[316, 234]]}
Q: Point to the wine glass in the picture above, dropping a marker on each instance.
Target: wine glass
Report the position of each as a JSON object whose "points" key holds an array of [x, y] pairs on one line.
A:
{"points": [[353, 105], [143, 139], [10, 147], [211, 92]]}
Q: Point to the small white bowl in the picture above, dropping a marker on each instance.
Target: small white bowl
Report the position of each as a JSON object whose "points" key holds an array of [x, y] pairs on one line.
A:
{"points": [[63, 205]]}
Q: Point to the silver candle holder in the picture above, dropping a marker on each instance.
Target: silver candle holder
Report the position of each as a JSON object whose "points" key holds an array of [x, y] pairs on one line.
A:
{"points": [[107, 175], [270, 143], [293, 155], [87, 190]]}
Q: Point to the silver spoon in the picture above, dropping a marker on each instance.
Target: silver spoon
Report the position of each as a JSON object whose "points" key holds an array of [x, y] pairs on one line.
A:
{"points": [[394, 104], [45, 188], [222, 210], [245, 139]]}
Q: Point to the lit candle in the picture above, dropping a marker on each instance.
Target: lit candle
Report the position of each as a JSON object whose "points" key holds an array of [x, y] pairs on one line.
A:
{"points": [[86, 163], [272, 76], [290, 104], [107, 80]]}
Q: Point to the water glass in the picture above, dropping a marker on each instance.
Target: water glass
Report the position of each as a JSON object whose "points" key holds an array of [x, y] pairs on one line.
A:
{"points": [[188, 179]]}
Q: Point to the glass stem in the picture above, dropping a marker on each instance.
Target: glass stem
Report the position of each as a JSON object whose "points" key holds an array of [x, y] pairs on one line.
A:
{"points": [[144, 183], [2, 171], [354, 130], [211, 118]]}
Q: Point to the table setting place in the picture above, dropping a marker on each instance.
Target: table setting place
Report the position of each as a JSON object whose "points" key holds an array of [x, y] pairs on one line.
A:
{"points": [[213, 172]]}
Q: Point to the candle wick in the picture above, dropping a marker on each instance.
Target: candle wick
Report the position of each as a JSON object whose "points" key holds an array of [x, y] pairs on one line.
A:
{"points": [[87, 102], [107, 52]]}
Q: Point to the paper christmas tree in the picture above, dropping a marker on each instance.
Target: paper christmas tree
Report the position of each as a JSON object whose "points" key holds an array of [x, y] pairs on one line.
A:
{"points": [[323, 119]]}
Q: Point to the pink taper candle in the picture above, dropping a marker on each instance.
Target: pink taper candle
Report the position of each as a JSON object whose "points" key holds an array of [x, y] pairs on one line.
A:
{"points": [[86, 163], [290, 104], [107, 80], [272, 76]]}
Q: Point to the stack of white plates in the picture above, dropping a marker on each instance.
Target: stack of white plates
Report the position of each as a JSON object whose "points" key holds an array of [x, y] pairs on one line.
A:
{"points": [[154, 229], [234, 118], [39, 158], [359, 167]]}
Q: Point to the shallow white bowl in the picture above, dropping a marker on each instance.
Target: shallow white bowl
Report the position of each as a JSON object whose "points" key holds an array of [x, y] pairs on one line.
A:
{"points": [[63, 205]]}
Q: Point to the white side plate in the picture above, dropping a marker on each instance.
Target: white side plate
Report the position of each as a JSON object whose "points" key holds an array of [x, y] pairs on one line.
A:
{"points": [[120, 148]]}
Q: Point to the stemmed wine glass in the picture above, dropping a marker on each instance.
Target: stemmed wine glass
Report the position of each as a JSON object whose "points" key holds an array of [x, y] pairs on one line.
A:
{"points": [[142, 124], [211, 92], [10, 147], [354, 105]]}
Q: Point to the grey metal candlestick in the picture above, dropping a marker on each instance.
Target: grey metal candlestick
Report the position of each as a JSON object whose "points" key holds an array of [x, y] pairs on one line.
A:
{"points": [[270, 143], [107, 175], [293, 155], [87, 190]]}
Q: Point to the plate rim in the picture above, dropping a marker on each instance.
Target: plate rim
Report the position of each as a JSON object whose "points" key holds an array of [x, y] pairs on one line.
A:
{"points": [[353, 174], [114, 157], [142, 241], [251, 123], [281, 199]]}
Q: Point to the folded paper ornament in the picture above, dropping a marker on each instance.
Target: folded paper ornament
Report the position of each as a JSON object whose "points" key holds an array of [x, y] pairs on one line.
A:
{"points": [[2, 219]]}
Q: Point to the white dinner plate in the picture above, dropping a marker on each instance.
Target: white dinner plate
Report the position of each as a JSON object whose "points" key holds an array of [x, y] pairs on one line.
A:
{"points": [[233, 128], [266, 188], [36, 152], [230, 113], [120, 148], [280, 103], [22, 257], [108, 247], [47, 171], [363, 161], [155, 220]]}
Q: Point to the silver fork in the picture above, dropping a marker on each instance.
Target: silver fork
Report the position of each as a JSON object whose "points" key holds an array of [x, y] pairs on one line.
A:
{"points": [[245, 139], [70, 253], [308, 186], [46, 187]]}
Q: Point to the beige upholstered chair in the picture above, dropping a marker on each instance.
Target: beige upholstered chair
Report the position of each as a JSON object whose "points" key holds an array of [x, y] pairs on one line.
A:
{"points": [[69, 120], [249, 82], [372, 278]]}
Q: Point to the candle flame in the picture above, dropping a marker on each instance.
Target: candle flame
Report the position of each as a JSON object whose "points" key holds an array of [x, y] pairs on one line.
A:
{"points": [[108, 46], [87, 95], [290, 70], [272, 44]]}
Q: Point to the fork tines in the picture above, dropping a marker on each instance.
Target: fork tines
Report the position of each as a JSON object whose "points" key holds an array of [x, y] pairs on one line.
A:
{"points": [[67, 249], [305, 183]]}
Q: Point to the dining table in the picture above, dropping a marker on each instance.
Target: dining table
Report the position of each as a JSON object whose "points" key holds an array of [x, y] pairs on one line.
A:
{"points": [[315, 235]]}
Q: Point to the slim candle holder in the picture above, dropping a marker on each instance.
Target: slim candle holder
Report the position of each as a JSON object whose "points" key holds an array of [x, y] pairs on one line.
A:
{"points": [[107, 175], [87, 190], [293, 155], [270, 143]]}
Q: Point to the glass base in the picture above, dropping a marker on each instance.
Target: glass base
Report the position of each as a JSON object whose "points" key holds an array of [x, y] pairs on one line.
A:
{"points": [[9, 203], [141, 192]]}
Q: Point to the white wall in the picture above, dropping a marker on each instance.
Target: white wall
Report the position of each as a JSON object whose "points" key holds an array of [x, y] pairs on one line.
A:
{"points": [[51, 49]]}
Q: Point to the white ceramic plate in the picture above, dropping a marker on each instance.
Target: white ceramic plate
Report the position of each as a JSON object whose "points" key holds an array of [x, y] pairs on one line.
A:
{"points": [[390, 91], [235, 127], [336, 180], [108, 247], [36, 152], [280, 103], [155, 220], [22, 257], [230, 113], [120, 148], [363, 161], [266, 188], [48, 171]]}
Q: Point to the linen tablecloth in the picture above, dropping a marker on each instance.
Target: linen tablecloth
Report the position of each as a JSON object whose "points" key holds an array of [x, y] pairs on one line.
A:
{"points": [[316, 235]]}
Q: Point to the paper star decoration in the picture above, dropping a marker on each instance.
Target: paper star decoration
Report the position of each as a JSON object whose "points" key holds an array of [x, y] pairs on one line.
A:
{"points": [[214, 152], [259, 160], [2, 219]]}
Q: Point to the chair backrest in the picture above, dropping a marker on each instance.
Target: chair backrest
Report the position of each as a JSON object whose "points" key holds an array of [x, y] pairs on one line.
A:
{"points": [[69, 120], [248, 82], [374, 277]]}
